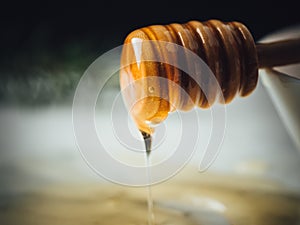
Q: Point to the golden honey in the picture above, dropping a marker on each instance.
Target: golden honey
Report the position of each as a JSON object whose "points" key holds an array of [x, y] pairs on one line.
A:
{"points": [[228, 49]]}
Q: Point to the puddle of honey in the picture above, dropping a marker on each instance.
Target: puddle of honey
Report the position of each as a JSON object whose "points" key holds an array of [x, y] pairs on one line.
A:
{"points": [[179, 201]]}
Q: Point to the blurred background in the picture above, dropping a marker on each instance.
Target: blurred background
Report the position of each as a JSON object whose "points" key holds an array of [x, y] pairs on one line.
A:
{"points": [[44, 50]]}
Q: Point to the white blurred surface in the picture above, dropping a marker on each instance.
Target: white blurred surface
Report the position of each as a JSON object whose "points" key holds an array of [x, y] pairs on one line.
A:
{"points": [[38, 145]]}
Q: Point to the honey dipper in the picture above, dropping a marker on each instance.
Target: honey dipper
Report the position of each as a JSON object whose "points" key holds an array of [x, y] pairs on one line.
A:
{"points": [[227, 48]]}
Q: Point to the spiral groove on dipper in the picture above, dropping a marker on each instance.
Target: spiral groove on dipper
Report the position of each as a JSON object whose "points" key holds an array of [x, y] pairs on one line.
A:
{"points": [[229, 51], [227, 48]]}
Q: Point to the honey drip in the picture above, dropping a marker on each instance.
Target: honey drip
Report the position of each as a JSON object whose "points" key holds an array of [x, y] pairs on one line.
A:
{"points": [[148, 142]]}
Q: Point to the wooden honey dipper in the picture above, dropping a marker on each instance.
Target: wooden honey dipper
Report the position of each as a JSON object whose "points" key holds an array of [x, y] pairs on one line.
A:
{"points": [[227, 48]]}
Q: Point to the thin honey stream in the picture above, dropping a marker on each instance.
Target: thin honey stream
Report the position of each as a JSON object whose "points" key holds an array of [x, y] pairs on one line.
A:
{"points": [[148, 144]]}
